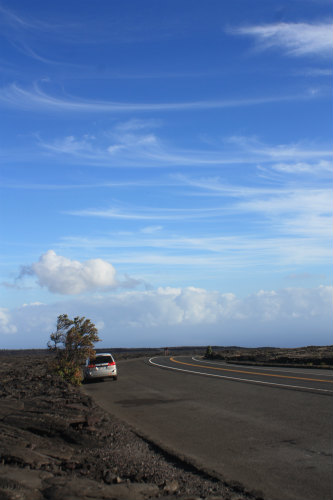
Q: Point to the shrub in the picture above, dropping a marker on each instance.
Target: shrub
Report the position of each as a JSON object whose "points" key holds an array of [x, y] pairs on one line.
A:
{"points": [[73, 342], [209, 352]]}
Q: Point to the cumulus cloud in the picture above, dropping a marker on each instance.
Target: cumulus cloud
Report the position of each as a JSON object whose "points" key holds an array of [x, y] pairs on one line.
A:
{"points": [[6, 326], [187, 316], [298, 39], [69, 277], [196, 306]]}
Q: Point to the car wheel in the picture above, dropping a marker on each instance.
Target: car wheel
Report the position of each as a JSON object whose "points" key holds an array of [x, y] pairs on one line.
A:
{"points": [[115, 377]]}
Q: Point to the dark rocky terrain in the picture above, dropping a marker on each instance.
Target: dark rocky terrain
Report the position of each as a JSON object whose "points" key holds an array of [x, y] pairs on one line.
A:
{"points": [[305, 357], [56, 444]]}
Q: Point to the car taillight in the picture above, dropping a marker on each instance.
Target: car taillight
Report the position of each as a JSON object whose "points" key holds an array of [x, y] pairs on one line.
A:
{"points": [[91, 366], [111, 364]]}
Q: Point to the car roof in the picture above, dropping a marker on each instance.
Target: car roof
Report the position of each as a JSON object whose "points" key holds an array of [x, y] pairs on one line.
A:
{"points": [[103, 354]]}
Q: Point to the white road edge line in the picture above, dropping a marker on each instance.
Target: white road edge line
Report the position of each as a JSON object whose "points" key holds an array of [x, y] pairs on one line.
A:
{"points": [[273, 369], [236, 378]]}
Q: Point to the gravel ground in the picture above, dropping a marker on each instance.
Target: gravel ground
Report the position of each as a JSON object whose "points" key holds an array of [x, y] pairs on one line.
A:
{"points": [[56, 444]]}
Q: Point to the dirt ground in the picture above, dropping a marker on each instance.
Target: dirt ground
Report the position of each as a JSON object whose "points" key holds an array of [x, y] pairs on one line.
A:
{"points": [[56, 444]]}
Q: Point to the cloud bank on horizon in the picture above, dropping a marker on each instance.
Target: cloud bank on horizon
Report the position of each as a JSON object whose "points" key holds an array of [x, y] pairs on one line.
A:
{"points": [[297, 316], [167, 172]]}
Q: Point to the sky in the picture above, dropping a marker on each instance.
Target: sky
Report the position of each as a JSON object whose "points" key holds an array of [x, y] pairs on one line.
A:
{"points": [[166, 171]]}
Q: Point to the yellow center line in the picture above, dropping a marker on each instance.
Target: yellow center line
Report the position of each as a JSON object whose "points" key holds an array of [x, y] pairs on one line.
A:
{"points": [[250, 373]]}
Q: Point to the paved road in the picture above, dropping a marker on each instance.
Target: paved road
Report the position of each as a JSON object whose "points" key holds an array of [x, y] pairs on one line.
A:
{"points": [[270, 429], [291, 378]]}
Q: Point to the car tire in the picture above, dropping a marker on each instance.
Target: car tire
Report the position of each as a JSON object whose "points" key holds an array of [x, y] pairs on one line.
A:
{"points": [[115, 377]]}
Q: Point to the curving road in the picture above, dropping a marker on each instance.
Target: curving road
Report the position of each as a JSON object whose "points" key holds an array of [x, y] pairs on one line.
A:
{"points": [[270, 429], [291, 378]]}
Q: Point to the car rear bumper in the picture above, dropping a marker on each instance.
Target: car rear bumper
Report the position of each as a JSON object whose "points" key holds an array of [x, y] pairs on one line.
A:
{"points": [[100, 374]]}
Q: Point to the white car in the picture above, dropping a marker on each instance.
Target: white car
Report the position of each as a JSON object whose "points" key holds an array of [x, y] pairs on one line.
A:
{"points": [[101, 366]]}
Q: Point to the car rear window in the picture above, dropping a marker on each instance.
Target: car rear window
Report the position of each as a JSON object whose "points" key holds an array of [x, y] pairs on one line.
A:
{"points": [[100, 360]]}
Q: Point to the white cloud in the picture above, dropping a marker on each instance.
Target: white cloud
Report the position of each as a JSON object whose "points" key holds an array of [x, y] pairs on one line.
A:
{"points": [[142, 213], [151, 229], [302, 167], [61, 275], [315, 72], [36, 304], [119, 148], [72, 145], [16, 96], [309, 201], [180, 316], [301, 239], [286, 213], [287, 209], [133, 141], [297, 39], [6, 326], [137, 124], [299, 151]]}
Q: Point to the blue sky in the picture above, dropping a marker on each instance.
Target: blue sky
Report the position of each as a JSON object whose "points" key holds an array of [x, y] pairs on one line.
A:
{"points": [[166, 171]]}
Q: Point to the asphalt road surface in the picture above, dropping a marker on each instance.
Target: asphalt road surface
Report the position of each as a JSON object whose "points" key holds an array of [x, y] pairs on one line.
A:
{"points": [[267, 428]]}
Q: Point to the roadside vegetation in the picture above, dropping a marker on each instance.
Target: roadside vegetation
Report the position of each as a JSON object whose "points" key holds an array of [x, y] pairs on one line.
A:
{"points": [[72, 342]]}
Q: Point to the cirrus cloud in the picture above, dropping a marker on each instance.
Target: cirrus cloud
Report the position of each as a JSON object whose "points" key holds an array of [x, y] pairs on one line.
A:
{"points": [[35, 98], [298, 39]]}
